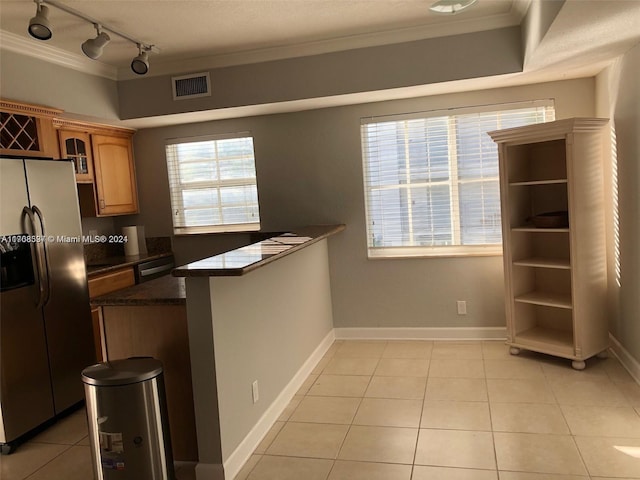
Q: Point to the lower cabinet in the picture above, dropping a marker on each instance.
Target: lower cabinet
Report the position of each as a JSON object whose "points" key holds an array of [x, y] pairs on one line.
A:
{"points": [[159, 331], [101, 285], [96, 320]]}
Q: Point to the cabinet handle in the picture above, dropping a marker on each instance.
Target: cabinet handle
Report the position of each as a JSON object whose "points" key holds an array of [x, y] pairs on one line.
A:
{"points": [[101, 203]]}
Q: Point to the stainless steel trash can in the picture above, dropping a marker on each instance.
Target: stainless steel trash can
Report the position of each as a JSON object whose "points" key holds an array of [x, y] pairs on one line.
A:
{"points": [[127, 417]]}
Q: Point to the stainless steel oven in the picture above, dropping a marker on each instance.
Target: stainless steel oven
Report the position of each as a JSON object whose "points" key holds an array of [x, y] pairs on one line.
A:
{"points": [[151, 269]]}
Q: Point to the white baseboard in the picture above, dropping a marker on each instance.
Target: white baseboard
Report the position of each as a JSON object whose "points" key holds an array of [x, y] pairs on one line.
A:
{"points": [[626, 359], [241, 454], [422, 333]]}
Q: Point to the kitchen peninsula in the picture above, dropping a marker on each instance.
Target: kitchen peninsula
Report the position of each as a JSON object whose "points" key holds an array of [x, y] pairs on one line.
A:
{"points": [[259, 319]]}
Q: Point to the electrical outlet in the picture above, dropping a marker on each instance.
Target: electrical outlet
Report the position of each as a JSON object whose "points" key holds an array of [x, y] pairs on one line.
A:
{"points": [[462, 307], [254, 391]]}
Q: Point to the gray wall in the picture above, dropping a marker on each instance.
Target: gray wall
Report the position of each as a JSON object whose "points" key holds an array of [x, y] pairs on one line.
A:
{"points": [[309, 169], [619, 99], [30, 80], [421, 62], [536, 23], [265, 327]]}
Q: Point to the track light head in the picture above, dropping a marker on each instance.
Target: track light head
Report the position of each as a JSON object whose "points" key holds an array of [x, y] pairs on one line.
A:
{"points": [[39, 26], [140, 64], [93, 47]]}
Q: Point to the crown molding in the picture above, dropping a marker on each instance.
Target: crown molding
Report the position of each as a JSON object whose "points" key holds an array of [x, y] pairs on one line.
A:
{"points": [[28, 109], [422, 32], [99, 128], [41, 51]]}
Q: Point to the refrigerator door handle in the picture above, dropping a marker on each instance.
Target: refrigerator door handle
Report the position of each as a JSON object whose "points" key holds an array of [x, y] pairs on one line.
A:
{"points": [[43, 246], [38, 265]]}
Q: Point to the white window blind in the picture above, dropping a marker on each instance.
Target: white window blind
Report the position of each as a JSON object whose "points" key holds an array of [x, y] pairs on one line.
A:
{"points": [[213, 184], [431, 180]]}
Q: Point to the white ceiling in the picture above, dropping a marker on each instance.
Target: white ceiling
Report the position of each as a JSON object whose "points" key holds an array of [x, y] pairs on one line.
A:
{"points": [[224, 32], [584, 38]]}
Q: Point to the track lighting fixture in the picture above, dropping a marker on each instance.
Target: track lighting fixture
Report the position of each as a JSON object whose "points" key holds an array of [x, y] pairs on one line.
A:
{"points": [[92, 48], [39, 27], [140, 64], [451, 7]]}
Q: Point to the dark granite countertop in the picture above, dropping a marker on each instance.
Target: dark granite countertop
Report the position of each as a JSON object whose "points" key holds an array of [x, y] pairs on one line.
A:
{"points": [[108, 264], [165, 290], [246, 259], [170, 290]]}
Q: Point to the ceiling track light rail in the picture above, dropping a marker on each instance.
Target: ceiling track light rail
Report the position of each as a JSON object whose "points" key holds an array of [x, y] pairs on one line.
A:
{"points": [[40, 29]]}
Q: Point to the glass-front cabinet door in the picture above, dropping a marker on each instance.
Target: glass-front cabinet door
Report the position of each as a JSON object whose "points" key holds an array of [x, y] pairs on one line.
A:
{"points": [[76, 146]]}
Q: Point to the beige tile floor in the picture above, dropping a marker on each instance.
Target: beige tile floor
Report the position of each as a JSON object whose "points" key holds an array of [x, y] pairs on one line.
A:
{"points": [[419, 411], [61, 453], [424, 410]]}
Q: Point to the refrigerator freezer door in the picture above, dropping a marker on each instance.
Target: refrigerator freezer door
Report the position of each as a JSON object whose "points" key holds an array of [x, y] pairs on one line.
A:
{"points": [[25, 387], [67, 315], [25, 394]]}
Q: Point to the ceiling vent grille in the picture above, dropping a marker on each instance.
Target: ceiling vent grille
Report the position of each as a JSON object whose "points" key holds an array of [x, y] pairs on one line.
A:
{"points": [[193, 85]]}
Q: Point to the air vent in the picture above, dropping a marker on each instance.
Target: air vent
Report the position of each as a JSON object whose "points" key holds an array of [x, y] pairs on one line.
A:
{"points": [[193, 85]]}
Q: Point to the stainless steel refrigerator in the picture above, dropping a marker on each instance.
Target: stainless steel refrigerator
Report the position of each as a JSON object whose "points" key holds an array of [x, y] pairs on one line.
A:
{"points": [[46, 337]]}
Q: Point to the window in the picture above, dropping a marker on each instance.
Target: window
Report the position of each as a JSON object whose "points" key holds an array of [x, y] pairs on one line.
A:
{"points": [[213, 184], [431, 180]]}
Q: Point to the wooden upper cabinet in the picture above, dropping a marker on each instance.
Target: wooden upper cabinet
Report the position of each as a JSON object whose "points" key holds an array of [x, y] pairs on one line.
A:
{"points": [[115, 178], [105, 170], [76, 146], [27, 130], [102, 154]]}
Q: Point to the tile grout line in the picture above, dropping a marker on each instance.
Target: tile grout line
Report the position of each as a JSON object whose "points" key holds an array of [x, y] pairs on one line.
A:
{"points": [[493, 436], [379, 360], [333, 462], [353, 418], [349, 426], [288, 419], [357, 409], [424, 399], [564, 417], [54, 458]]}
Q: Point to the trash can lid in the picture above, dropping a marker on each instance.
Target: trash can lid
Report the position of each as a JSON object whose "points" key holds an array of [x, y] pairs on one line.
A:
{"points": [[122, 372]]}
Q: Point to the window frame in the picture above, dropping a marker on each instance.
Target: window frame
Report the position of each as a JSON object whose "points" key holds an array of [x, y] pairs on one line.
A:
{"points": [[453, 181], [173, 174]]}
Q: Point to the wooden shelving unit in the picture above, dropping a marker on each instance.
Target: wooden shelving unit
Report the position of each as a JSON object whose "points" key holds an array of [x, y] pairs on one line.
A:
{"points": [[555, 277]]}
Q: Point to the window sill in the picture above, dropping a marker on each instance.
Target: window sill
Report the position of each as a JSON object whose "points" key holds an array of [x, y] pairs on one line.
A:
{"points": [[396, 253], [241, 228]]}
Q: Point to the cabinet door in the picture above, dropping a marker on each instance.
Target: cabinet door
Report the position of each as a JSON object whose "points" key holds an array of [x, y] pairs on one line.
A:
{"points": [[111, 281], [76, 146], [101, 285], [115, 178], [27, 130], [98, 336]]}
